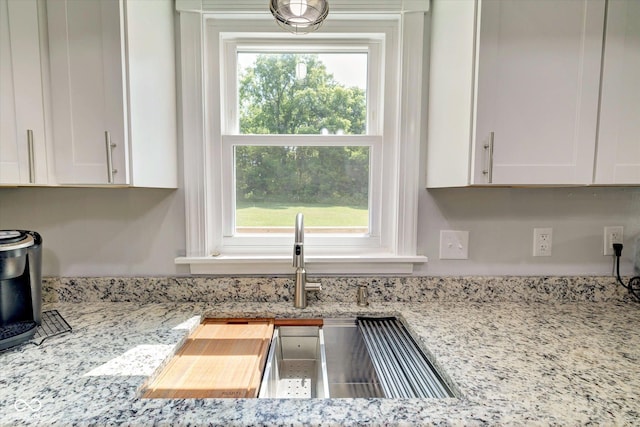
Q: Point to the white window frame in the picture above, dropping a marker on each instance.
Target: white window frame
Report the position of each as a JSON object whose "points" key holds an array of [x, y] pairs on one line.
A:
{"points": [[229, 242], [206, 40]]}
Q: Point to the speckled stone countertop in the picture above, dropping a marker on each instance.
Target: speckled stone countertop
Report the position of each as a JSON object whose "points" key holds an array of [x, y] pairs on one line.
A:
{"points": [[511, 363]]}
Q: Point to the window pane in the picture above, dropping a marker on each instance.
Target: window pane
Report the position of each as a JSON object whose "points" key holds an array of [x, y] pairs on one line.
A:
{"points": [[330, 185], [293, 93]]}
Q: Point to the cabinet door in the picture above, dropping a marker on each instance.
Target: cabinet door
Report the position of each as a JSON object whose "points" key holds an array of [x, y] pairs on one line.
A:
{"points": [[538, 71], [618, 157], [22, 129], [86, 53]]}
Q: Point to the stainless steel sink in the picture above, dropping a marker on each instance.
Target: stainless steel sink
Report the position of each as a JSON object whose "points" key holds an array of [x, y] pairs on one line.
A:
{"points": [[350, 372], [341, 360], [311, 361], [296, 364]]}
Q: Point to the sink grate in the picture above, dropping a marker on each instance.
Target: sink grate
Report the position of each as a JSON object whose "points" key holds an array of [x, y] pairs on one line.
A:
{"points": [[402, 368]]}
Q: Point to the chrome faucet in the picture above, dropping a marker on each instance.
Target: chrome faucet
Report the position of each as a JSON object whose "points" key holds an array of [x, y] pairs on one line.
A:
{"points": [[302, 285]]}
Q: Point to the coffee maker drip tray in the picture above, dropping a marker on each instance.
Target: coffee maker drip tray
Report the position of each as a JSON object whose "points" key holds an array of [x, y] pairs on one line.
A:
{"points": [[52, 324], [15, 333]]}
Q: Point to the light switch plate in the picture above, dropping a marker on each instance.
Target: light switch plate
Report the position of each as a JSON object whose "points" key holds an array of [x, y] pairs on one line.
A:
{"points": [[454, 244]]}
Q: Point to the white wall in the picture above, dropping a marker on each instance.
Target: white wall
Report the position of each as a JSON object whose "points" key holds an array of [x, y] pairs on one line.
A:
{"points": [[128, 232], [501, 222], [100, 231]]}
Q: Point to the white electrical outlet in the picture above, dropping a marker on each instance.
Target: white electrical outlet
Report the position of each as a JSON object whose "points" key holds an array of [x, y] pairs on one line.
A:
{"points": [[454, 244], [612, 234], [542, 241]]}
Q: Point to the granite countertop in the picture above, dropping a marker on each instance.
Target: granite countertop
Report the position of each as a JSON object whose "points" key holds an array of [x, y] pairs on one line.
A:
{"points": [[511, 363]]}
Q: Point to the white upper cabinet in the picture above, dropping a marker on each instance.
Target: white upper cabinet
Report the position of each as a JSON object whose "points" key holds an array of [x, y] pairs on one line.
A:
{"points": [[23, 154], [537, 91], [87, 75], [618, 158], [513, 92], [113, 92]]}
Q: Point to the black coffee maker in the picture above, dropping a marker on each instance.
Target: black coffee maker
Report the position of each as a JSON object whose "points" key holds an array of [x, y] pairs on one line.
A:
{"points": [[20, 286]]}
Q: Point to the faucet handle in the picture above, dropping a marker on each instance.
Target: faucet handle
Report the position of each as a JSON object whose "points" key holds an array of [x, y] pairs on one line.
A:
{"points": [[313, 285]]}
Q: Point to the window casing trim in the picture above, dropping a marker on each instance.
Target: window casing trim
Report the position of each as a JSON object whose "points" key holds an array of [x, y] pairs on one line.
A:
{"points": [[202, 213], [338, 7], [222, 46]]}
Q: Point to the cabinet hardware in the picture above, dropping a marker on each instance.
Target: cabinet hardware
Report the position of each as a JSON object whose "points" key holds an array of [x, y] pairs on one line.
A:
{"points": [[110, 147], [32, 169], [489, 171]]}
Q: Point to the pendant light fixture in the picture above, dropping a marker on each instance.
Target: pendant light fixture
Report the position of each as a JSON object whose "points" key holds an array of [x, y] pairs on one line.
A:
{"points": [[299, 16]]}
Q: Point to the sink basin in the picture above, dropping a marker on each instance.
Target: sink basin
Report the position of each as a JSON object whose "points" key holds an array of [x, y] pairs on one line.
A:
{"points": [[348, 358], [296, 364], [350, 372]]}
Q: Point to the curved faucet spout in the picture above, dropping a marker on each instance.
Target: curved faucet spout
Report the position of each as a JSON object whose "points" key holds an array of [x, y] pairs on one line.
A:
{"points": [[299, 228]]}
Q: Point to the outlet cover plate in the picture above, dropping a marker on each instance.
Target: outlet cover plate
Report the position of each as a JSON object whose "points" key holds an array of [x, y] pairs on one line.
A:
{"points": [[454, 244], [612, 234], [542, 241]]}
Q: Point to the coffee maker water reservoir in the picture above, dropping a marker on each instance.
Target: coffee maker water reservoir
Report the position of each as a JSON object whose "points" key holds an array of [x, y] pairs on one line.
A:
{"points": [[20, 286]]}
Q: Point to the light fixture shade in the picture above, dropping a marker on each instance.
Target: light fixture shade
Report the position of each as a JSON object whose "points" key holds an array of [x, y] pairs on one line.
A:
{"points": [[299, 16]]}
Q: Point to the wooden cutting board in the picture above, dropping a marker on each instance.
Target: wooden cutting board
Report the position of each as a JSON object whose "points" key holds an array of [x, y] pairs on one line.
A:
{"points": [[221, 358]]}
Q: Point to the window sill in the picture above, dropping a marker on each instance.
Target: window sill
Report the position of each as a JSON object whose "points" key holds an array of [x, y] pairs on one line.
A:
{"points": [[281, 264]]}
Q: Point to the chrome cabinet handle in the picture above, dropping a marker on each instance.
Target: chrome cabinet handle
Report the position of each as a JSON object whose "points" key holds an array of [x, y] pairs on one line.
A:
{"points": [[489, 171], [32, 168], [110, 147]]}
